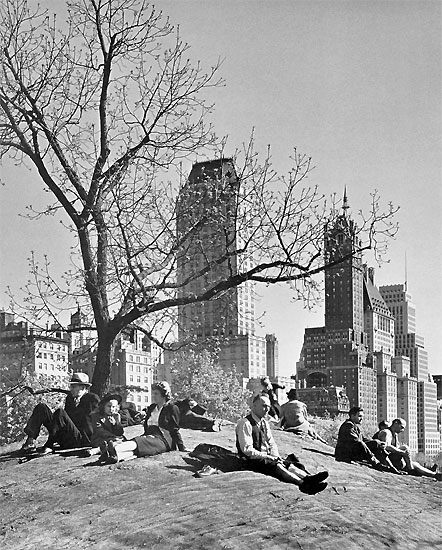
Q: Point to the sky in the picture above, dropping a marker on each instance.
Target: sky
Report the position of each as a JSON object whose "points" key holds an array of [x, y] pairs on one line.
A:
{"points": [[354, 85]]}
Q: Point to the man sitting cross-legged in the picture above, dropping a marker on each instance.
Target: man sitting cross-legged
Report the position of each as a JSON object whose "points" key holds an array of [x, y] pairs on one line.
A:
{"points": [[353, 446], [400, 454], [255, 443]]}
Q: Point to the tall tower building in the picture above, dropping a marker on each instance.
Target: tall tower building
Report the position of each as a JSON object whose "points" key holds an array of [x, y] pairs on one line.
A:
{"points": [[210, 235], [410, 344], [379, 326], [337, 354]]}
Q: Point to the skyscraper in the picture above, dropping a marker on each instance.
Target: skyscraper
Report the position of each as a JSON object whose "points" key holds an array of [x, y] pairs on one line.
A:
{"points": [[379, 326], [410, 344], [337, 354], [210, 236]]}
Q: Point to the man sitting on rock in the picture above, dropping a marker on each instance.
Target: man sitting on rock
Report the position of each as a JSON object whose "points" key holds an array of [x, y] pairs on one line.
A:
{"points": [[255, 444], [400, 454], [353, 446], [294, 417], [70, 427]]}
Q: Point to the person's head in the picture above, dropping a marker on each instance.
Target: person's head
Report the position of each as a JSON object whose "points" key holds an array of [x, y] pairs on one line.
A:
{"points": [[398, 425], [265, 383], [292, 395], [260, 405], [356, 414], [383, 424], [110, 404], [161, 393], [79, 384]]}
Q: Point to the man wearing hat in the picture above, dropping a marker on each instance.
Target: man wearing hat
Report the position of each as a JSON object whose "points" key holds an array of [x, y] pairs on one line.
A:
{"points": [[70, 427]]}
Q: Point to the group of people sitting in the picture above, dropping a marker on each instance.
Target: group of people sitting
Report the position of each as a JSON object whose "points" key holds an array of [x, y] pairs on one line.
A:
{"points": [[87, 422], [383, 451]]}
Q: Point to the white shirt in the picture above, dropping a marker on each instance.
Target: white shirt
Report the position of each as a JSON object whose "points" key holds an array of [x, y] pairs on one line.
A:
{"points": [[153, 419], [245, 439]]}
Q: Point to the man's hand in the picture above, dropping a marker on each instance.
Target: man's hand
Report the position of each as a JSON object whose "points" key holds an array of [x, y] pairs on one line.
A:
{"points": [[112, 420], [273, 459]]}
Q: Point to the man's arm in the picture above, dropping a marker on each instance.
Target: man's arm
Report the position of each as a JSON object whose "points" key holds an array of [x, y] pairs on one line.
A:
{"points": [[273, 448], [385, 437], [245, 440]]}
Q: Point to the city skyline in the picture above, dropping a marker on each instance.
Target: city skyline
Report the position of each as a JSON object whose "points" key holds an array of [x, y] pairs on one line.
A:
{"points": [[356, 86]]}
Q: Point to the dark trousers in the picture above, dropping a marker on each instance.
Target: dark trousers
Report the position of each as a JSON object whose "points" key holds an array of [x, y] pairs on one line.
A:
{"points": [[195, 421], [59, 425], [367, 450]]}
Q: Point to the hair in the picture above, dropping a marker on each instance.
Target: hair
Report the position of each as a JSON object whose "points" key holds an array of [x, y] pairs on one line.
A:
{"points": [[260, 395], [164, 389], [399, 421], [383, 424], [106, 400], [355, 410]]}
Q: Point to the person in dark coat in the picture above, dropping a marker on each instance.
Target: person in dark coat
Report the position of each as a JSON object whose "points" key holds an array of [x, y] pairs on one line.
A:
{"points": [[106, 424], [353, 446], [192, 417], [161, 429], [70, 427]]}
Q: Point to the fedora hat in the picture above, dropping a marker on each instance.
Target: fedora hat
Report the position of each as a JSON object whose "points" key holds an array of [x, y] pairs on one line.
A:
{"points": [[80, 378], [291, 394]]}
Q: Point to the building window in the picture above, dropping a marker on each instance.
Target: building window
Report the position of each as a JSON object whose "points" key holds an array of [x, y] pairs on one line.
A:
{"points": [[131, 378]]}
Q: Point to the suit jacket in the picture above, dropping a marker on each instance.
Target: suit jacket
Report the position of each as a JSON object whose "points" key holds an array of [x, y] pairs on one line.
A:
{"points": [[105, 430], [349, 436], [168, 420], [81, 414]]}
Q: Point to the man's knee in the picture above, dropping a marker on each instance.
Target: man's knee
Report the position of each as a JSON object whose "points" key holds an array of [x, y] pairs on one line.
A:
{"points": [[41, 408]]}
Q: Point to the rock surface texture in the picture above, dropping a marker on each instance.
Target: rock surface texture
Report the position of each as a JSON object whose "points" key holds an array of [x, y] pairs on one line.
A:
{"points": [[58, 502]]}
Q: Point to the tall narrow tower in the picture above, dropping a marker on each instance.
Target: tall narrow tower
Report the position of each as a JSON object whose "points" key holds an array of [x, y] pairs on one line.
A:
{"points": [[209, 236], [336, 354]]}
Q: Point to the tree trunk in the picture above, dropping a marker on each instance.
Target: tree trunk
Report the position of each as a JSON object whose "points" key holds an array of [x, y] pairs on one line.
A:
{"points": [[103, 365]]}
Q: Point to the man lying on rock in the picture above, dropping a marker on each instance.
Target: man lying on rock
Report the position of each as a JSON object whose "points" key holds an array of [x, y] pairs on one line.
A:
{"points": [[70, 427], [352, 446], [400, 454], [255, 443], [192, 416]]}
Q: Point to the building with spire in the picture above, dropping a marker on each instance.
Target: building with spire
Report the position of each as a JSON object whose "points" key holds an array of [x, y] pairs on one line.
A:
{"points": [[410, 344], [207, 228], [337, 353]]}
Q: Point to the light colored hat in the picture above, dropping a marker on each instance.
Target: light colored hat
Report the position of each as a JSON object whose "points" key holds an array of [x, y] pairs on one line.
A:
{"points": [[80, 378]]}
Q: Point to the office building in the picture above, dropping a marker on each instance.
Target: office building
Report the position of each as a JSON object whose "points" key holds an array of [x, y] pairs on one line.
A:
{"points": [[336, 355], [410, 344], [27, 351], [207, 228]]}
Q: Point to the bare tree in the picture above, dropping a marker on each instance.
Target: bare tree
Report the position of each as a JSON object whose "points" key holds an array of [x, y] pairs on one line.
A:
{"points": [[101, 106]]}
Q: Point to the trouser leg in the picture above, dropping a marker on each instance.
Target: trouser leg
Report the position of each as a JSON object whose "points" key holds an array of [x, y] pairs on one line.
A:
{"points": [[41, 416], [195, 421], [377, 449], [65, 432]]}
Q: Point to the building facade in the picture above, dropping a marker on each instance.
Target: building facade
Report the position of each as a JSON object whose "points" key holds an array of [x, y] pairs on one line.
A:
{"points": [[410, 344], [337, 354], [208, 232], [24, 350]]}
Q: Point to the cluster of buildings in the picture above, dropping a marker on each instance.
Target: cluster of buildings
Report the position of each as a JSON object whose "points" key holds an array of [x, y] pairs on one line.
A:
{"points": [[55, 352], [369, 345], [368, 352]]}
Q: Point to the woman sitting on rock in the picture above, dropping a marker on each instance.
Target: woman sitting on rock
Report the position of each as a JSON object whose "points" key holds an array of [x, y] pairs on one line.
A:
{"points": [[161, 430]]}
